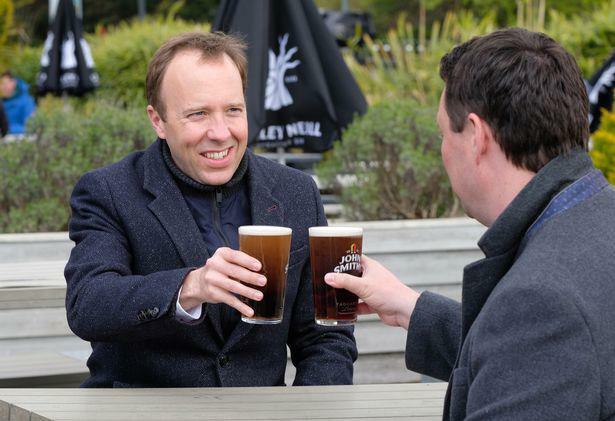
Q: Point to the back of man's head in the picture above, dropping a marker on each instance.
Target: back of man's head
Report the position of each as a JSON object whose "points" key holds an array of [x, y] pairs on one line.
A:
{"points": [[526, 87], [210, 45]]}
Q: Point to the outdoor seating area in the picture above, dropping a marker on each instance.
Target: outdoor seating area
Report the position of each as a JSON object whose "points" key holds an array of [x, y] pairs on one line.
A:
{"points": [[294, 210]]}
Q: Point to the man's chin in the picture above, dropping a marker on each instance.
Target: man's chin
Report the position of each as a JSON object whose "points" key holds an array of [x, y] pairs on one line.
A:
{"points": [[467, 211], [217, 178]]}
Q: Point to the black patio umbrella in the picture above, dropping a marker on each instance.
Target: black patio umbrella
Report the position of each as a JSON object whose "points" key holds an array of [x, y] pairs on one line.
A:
{"points": [[600, 91], [300, 92], [66, 62]]}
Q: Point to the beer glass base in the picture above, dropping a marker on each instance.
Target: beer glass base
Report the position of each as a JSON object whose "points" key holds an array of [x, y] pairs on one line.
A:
{"points": [[329, 322], [261, 321]]}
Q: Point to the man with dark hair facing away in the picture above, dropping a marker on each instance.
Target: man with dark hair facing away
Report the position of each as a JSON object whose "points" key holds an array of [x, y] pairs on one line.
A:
{"points": [[533, 338]]}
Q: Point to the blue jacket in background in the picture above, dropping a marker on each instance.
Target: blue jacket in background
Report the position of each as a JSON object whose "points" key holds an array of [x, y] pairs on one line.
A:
{"points": [[18, 108]]}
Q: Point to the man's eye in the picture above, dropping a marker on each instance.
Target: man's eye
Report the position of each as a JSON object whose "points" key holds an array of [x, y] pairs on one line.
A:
{"points": [[196, 115], [236, 110]]}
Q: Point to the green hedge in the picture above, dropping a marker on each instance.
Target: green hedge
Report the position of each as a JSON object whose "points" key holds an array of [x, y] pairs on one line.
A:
{"points": [[71, 138], [23, 61], [389, 165]]}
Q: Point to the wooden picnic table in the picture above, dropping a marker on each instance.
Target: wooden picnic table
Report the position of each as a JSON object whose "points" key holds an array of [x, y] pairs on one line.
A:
{"points": [[421, 401]]}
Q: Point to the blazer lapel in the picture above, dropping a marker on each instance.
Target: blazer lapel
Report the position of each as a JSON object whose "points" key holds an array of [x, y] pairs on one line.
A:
{"points": [[172, 211], [266, 209], [479, 280]]}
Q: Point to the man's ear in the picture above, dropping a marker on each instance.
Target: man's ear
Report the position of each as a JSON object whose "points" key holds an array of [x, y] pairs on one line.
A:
{"points": [[157, 122], [482, 139]]}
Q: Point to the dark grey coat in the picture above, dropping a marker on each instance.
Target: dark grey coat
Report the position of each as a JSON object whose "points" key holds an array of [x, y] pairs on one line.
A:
{"points": [[534, 337], [135, 241]]}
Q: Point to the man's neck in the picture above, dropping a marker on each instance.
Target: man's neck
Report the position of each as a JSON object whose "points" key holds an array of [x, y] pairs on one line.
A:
{"points": [[179, 175], [502, 191]]}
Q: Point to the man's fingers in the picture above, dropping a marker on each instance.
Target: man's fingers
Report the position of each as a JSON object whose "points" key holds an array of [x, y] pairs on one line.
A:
{"points": [[239, 258], [221, 295], [363, 308], [244, 275], [366, 260], [238, 305], [343, 280], [243, 290]]}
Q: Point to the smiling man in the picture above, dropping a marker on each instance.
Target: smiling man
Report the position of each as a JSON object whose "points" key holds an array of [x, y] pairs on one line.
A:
{"points": [[154, 277]]}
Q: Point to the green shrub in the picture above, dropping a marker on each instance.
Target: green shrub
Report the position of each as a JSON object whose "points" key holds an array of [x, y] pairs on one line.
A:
{"points": [[390, 161], [6, 19], [70, 138], [603, 152], [399, 66], [392, 154], [23, 61], [589, 37]]}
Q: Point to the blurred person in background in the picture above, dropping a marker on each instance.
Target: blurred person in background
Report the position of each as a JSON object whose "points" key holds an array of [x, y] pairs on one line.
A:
{"points": [[18, 103]]}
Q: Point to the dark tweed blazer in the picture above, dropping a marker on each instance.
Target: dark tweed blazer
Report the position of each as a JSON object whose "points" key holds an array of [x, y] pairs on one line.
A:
{"points": [[534, 337], [135, 241]]}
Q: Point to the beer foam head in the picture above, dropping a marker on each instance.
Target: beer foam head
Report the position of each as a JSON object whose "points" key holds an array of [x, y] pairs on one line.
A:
{"points": [[336, 231], [264, 230]]}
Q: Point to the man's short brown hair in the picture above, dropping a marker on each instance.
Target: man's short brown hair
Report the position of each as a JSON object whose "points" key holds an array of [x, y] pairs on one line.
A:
{"points": [[526, 86], [211, 46]]}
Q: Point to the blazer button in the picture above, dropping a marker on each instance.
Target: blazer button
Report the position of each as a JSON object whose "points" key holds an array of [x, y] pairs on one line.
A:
{"points": [[154, 311], [223, 360]]}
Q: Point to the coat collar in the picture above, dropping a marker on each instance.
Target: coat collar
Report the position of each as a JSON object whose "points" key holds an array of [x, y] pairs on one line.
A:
{"points": [[266, 205], [501, 241], [510, 227], [171, 209]]}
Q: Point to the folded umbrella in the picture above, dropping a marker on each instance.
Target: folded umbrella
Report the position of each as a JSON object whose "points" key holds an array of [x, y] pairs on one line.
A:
{"points": [[66, 61], [300, 92]]}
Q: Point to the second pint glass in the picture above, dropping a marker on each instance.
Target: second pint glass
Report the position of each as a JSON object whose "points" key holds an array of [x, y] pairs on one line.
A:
{"points": [[271, 246], [334, 249]]}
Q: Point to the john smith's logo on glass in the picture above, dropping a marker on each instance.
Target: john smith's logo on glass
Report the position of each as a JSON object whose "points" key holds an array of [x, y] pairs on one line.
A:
{"points": [[276, 94], [351, 261]]}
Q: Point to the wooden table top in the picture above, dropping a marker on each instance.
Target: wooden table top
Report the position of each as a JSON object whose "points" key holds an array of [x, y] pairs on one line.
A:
{"points": [[418, 401]]}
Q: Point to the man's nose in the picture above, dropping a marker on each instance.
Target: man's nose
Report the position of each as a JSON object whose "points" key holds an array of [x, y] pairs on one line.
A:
{"points": [[218, 129]]}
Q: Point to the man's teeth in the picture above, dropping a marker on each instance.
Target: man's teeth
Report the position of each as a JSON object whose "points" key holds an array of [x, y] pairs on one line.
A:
{"points": [[217, 155]]}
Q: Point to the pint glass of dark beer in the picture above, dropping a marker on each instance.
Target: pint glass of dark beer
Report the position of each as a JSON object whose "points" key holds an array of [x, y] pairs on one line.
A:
{"points": [[334, 249], [271, 246]]}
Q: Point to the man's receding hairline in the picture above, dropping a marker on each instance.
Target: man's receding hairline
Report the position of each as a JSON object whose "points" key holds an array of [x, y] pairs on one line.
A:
{"points": [[202, 59]]}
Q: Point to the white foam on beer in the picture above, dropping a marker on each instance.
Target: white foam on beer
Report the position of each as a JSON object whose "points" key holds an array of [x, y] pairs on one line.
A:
{"points": [[336, 231], [264, 230]]}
